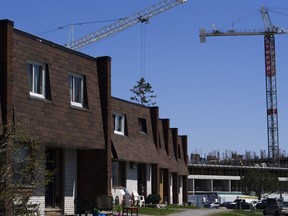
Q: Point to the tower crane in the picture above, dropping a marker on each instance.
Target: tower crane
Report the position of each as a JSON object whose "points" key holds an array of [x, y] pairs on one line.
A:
{"points": [[139, 17], [270, 75]]}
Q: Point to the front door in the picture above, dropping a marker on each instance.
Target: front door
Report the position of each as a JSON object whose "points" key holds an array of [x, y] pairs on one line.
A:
{"points": [[142, 182], [53, 190]]}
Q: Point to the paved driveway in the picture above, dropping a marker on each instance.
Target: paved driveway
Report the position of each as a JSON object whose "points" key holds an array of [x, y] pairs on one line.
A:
{"points": [[198, 212]]}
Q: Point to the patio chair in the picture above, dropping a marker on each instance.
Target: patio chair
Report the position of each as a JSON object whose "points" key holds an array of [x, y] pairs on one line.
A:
{"points": [[127, 207], [141, 201], [135, 197], [104, 204]]}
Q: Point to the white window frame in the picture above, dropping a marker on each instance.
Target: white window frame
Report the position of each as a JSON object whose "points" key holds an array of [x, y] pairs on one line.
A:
{"points": [[31, 79], [116, 119], [72, 90]]}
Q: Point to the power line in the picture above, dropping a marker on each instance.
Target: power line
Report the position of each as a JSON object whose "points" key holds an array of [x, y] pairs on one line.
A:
{"points": [[75, 24]]}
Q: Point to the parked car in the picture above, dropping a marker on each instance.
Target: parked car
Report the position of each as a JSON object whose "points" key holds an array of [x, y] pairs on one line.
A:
{"points": [[225, 204], [239, 204], [276, 209], [213, 205], [264, 203]]}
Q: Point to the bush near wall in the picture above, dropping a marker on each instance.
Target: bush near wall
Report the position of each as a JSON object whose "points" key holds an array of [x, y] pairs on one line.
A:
{"points": [[153, 199]]}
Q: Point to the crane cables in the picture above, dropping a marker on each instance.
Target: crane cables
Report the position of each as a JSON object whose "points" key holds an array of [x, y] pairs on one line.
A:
{"points": [[143, 49], [76, 24]]}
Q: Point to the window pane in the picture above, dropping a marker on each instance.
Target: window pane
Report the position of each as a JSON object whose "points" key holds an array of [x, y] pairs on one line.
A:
{"points": [[142, 125], [21, 166], [30, 76], [120, 121], [118, 174], [71, 87], [114, 121], [40, 89], [38, 77], [36, 80], [78, 89]]}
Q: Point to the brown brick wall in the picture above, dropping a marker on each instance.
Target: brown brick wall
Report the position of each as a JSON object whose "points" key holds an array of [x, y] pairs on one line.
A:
{"points": [[154, 112], [104, 67], [185, 189], [55, 121], [92, 174], [135, 146], [6, 70], [175, 187]]}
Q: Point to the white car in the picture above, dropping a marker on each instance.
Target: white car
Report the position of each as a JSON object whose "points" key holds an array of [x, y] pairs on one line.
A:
{"points": [[213, 205]]}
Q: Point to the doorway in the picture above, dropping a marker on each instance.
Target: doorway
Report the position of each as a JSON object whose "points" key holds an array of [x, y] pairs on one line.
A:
{"points": [[142, 182], [54, 189]]}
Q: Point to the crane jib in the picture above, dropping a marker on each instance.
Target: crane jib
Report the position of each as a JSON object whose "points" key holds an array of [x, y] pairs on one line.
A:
{"points": [[122, 24]]}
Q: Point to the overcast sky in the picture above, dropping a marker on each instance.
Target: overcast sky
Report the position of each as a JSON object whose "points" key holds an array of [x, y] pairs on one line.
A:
{"points": [[213, 92]]}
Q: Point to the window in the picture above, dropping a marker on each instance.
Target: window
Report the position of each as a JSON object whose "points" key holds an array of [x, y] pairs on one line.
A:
{"points": [[76, 90], [22, 165], [119, 122], [142, 125], [118, 174], [36, 78]]}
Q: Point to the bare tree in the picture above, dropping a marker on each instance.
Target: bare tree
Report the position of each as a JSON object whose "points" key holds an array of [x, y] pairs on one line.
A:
{"points": [[22, 169]]}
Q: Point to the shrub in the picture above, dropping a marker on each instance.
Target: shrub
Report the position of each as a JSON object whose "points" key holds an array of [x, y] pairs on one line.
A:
{"points": [[153, 198]]}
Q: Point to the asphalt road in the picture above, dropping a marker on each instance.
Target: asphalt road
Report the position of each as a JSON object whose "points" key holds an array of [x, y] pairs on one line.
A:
{"points": [[198, 212]]}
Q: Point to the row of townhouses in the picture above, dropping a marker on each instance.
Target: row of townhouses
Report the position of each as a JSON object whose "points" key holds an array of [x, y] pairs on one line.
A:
{"points": [[95, 144]]}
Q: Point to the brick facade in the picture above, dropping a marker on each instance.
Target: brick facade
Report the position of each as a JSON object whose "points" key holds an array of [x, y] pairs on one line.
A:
{"points": [[167, 150], [84, 135], [6, 70], [54, 118]]}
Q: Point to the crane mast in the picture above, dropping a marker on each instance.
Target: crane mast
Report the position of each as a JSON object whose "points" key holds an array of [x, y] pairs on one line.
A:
{"points": [[122, 24], [270, 76]]}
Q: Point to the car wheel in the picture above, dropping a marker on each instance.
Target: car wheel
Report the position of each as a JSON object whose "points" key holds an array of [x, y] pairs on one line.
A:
{"points": [[276, 214], [264, 213]]}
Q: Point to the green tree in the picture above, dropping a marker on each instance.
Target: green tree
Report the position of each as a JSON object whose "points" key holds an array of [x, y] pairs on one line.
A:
{"points": [[143, 93], [258, 181], [22, 169]]}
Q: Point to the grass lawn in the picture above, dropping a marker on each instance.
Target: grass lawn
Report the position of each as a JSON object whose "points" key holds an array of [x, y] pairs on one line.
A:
{"points": [[176, 209], [156, 211], [163, 211], [239, 213]]}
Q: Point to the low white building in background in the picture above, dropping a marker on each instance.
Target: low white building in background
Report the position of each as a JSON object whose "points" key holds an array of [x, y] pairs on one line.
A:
{"points": [[210, 182]]}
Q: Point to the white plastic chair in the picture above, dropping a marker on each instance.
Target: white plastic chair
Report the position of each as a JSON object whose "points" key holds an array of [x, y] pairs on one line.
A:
{"points": [[141, 201], [135, 197]]}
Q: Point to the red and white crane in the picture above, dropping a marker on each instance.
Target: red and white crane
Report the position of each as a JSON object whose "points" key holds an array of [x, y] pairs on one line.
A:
{"points": [[270, 75]]}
